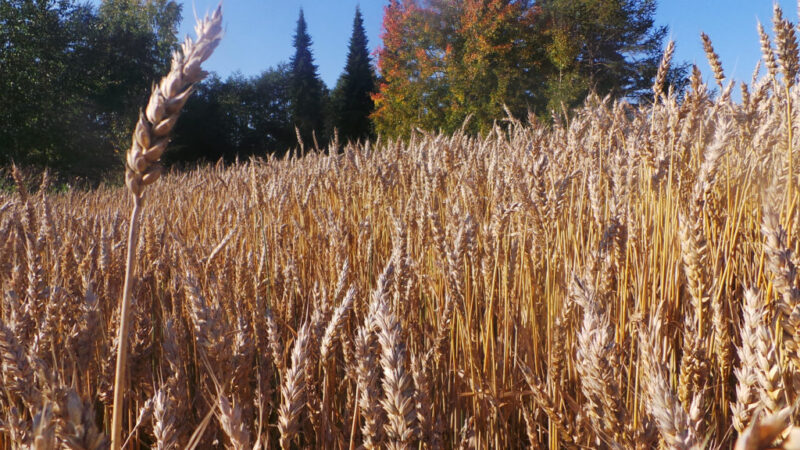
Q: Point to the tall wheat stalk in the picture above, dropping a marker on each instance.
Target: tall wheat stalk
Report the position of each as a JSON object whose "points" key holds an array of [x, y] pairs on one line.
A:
{"points": [[150, 139]]}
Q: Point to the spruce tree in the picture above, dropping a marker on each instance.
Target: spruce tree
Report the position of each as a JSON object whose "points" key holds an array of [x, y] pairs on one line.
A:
{"points": [[353, 95], [306, 88]]}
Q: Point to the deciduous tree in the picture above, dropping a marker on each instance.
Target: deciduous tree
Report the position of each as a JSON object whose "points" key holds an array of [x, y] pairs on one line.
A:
{"points": [[238, 117], [133, 47], [46, 83], [607, 46], [73, 77], [412, 88], [444, 60], [493, 61]]}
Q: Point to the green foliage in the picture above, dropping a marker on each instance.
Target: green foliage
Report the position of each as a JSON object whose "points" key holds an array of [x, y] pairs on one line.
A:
{"points": [[46, 82], [444, 61], [607, 46], [306, 89], [134, 47], [352, 97], [72, 78], [239, 117]]}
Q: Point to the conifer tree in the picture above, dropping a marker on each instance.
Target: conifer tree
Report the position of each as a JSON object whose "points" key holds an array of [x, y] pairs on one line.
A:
{"points": [[306, 89], [353, 95]]}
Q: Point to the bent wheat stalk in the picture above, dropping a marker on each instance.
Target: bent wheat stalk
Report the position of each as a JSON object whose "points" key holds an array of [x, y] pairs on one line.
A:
{"points": [[150, 139]]}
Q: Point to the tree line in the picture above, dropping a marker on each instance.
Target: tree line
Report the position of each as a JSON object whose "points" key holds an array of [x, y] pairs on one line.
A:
{"points": [[73, 76], [286, 107], [445, 61]]}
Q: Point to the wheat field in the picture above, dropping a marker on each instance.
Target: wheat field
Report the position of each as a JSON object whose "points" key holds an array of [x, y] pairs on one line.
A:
{"points": [[622, 277]]}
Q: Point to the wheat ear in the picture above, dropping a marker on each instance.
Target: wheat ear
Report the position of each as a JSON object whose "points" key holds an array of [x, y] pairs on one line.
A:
{"points": [[767, 52], [765, 430], [397, 382], [294, 389], [673, 421], [786, 46], [713, 59], [150, 139], [746, 375], [663, 69]]}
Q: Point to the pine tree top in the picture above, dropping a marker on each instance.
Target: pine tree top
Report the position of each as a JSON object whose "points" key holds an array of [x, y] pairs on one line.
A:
{"points": [[358, 58], [302, 61]]}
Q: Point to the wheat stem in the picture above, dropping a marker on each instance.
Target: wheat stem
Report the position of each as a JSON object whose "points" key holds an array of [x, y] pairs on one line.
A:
{"points": [[124, 327]]}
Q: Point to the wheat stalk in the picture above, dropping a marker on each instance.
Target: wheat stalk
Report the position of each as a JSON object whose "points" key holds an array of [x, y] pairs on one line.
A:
{"points": [[150, 139]]}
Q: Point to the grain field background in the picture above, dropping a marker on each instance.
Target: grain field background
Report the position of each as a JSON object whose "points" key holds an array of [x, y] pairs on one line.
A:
{"points": [[622, 277]]}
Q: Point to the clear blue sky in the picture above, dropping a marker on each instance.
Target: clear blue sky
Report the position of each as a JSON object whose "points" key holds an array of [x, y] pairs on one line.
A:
{"points": [[258, 33]]}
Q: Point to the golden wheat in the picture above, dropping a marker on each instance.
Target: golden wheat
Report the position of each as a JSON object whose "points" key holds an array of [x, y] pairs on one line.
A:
{"points": [[568, 285]]}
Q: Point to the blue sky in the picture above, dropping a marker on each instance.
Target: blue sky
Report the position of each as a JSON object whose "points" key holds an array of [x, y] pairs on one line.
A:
{"points": [[258, 33], [731, 25]]}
